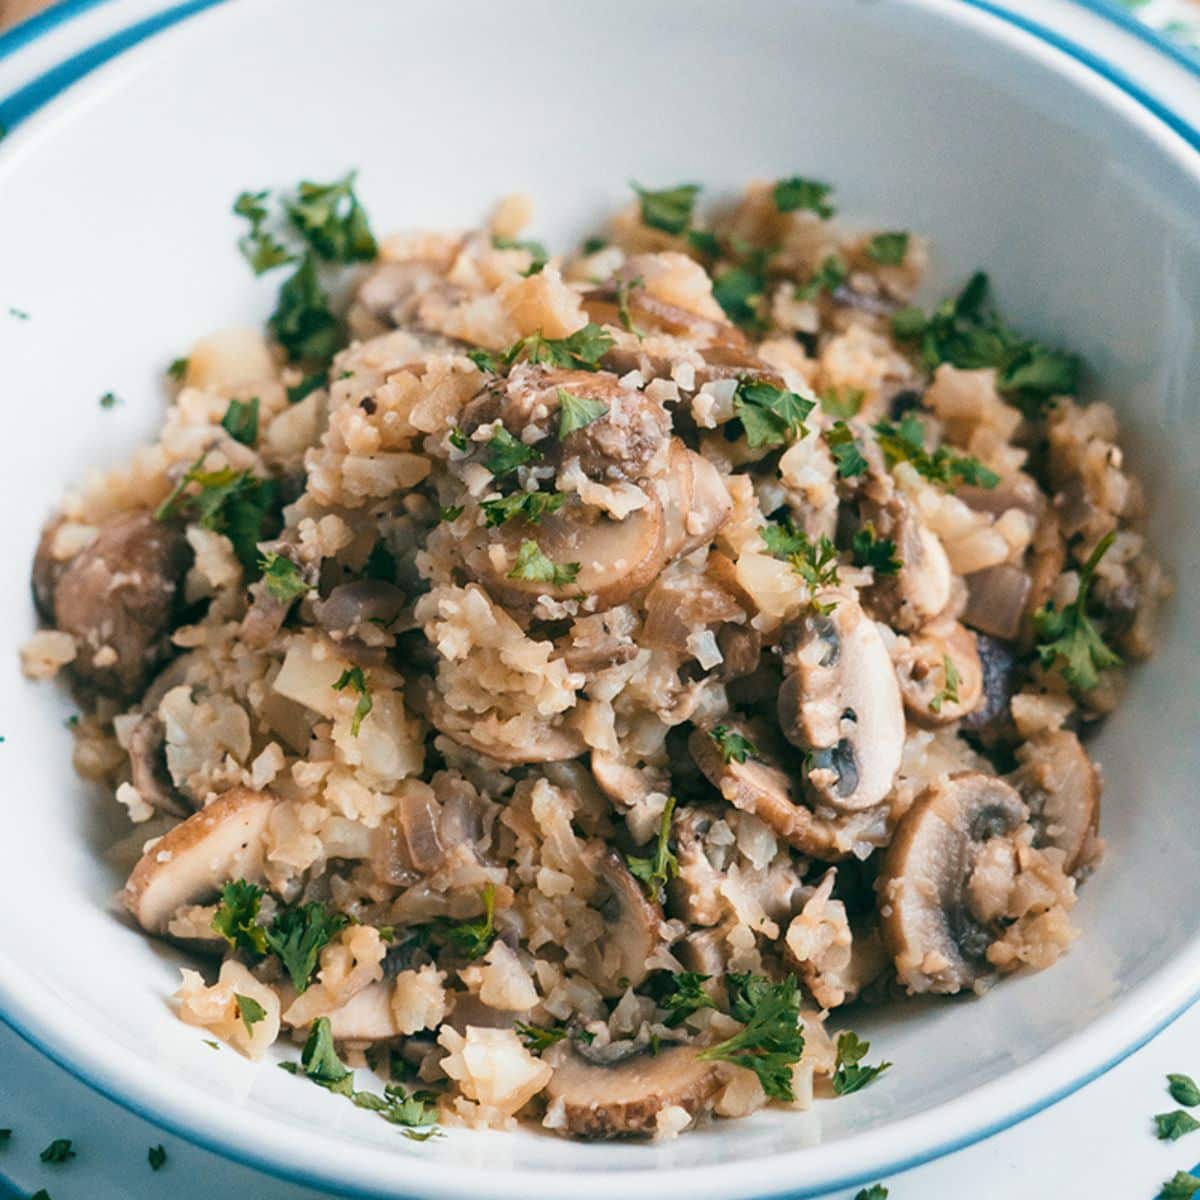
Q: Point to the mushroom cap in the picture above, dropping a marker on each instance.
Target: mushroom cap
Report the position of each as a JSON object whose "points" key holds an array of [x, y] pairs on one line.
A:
{"points": [[920, 669], [148, 767], [624, 1100], [695, 892], [694, 499], [633, 925], [840, 704], [190, 863], [1001, 674], [928, 928]]}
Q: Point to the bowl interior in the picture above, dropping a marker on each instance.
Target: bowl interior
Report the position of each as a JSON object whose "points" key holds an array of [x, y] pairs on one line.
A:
{"points": [[116, 238]]}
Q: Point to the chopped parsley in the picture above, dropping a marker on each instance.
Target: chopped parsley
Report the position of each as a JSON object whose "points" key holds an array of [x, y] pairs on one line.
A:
{"points": [[537, 1039], [59, 1151], [178, 369], [888, 249], [828, 277], [581, 350], [1170, 1127], [241, 421], [815, 562], [733, 746], [249, 1010], [305, 387], [538, 256], [521, 506], [533, 565], [1183, 1090], [354, 679], [1181, 1186], [949, 692], [506, 453], [704, 242], [594, 245], [687, 996], [458, 439], [5, 1136], [298, 935], [485, 360], [450, 512], [259, 246], [475, 938], [772, 1041], [796, 194], [282, 577], [211, 1044], [740, 289], [156, 1156], [109, 400], [869, 550], [846, 450], [303, 323], [875, 1192], [770, 416], [848, 1076], [624, 288], [843, 403], [41, 1193], [669, 210], [236, 918], [905, 442], [332, 221], [577, 412], [966, 332], [659, 869], [17, 314]]}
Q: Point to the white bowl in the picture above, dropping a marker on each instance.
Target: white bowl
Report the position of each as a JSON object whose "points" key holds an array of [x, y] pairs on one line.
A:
{"points": [[115, 235]]}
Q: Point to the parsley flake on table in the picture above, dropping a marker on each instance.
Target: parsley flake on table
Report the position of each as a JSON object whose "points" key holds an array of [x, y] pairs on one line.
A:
{"points": [[537, 1039], [521, 506], [156, 1156], [669, 210], [1183, 1090], [298, 935], [249, 1010], [656, 871], [888, 249], [1181, 1186], [533, 565], [1171, 1126], [538, 256], [869, 550], [848, 1075], [282, 577], [771, 1042], [236, 918], [949, 692], [1067, 638], [241, 421], [828, 277], [809, 195], [686, 996], [875, 1192], [178, 369], [846, 450], [109, 400], [577, 412], [59, 1151], [353, 678], [905, 442], [733, 746], [18, 314], [475, 938], [770, 416]]}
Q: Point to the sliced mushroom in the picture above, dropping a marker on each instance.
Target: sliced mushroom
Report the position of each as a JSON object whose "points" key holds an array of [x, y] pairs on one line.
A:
{"points": [[547, 743], [401, 295], [148, 767], [925, 680], [1000, 679], [118, 596], [352, 605], [632, 925], [600, 640], [694, 498], [840, 704], [937, 942], [625, 1100], [997, 599], [1061, 786], [623, 783], [192, 861], [695, 892]]}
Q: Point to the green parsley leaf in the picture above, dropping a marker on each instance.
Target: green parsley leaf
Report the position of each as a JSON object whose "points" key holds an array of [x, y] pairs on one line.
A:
{"points": [[5, 1136], [1183, 1090], [458, 439], [109, 400], [521, 506], [687, 996], [848, 1076], [624, 287], [282, 577], [1180, 1186], [771, 416], [577, 412], [771, 1042], [949, 692], [669, 210], [704, 242], [506, 453], [303, 323], [594, 245], [828, 277], [908, 322], [485, 360], [815, 562], [241, 421], [319, 1058], [475, 938], [875, 1192], [846, 450], [581, 350], [236, 918], [906, 443], [842, 402], [538, 255], [211, 1044], [868, 550], [450, 512], [178, 369], [298, 935], [17, 314], [59, 1151], [1170, 1127], [794, 194], [533, 565], [537, 1039], [657, 871], [260, 248], [332, 220], [416, 1112], [41, 1193], [734, 746], [353, 678], [1068, 638], [381, 563], [156, 1156], [888, 249], [249, 1010], [306, 387]]}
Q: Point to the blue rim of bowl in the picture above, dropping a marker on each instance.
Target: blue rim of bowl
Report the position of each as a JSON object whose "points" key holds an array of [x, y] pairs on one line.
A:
{"points": [[32, 96]]}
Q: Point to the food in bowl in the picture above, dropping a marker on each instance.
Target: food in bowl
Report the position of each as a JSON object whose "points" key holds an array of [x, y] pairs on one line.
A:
{"points": [[562, 682]]}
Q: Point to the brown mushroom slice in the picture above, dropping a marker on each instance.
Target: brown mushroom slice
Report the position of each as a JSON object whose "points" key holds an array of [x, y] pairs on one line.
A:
{"points": [[840, 704], [596, 1102], [695, 892], [148, 767], [934, 939], [1016, 490], [1000, 678], [921, 589], [997, 598], [117, 596], [925, 681], [625, 784], [694, 498], [191, 862], [550, 742], [631, 925], [1061, 786], [400, 295]]}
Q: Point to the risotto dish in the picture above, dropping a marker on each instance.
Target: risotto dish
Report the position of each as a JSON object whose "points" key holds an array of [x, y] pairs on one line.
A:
{"points": [[566, 688]]}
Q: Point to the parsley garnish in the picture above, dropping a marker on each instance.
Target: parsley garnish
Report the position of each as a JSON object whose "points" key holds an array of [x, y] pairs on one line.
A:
{"points": [[868, 550], [303, 323], [875, 1192], [298, 935], [450, 512], [795, 193], [522, 506], [306, 386], [770, 416], [848, 1076], [353, 678], [109, 400], [260, 248], [815, 562], [282, 577], [249, 1010], [687, 995], [733, 746], [236, 918], [581, 350], [59, 1151], [771, 1042], [669, 210], [949, 693], [241, 421], [657, 871], [843, 403], [1069, 638], [624, 287], [906, 443], [485, 360], [506, 453], [828, 277], [156, 1156], [888, 249], [458, 439], [739, 291], [1181, 1186], [178, 368], [5, 1135], [332, 220], [846, 450], [537, 1039], [534, 566], [577, 412], [1170, 1127], [475, 938], [18, 314], [210, 1044], [1183, 1090], [594, 245], [538, 256]]}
